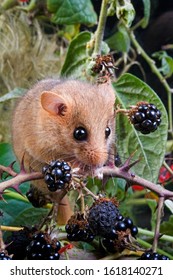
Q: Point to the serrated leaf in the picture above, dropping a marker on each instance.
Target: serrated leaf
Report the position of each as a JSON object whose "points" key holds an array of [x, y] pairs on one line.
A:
{"points": [[147, 7], [72, 12], [149, 148], [16, 93], [76, 56]]}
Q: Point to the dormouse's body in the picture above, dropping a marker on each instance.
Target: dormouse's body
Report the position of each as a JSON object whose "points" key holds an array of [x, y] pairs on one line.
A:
{"points": [[69, 120]]}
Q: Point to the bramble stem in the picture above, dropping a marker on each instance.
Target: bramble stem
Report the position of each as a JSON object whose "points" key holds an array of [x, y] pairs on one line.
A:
{"points": [[9, 228], [136, 180], [19, 179], [157, 229], [150, 233], [100, 28]]}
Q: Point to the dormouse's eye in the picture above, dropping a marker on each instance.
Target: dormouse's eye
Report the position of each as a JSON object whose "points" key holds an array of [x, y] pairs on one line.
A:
{"points": [[107, 132], [80, 134]]}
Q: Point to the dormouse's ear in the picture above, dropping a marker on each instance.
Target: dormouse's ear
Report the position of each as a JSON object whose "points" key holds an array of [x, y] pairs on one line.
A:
{"points": [[53, 103]]}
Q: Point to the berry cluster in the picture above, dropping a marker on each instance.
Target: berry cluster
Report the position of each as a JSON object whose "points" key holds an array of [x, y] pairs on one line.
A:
{"points": [[106, 221], [42, 248], [57, 175], [4, 256], [152, 256], [145, 117], [78, 229]]}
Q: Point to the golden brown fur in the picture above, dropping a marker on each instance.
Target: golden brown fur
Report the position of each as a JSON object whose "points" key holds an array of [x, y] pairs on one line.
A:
{"points": [[45, 119]]}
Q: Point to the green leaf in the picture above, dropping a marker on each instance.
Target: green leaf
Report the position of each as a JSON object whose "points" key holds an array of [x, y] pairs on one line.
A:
{"points": [[119, 41], [6, 154], [16, 93], [153, 206], [31, 216], [147, 7], [166, 63], [75, 62], [150, 148], [167, 226], [72, 12], [125, 11], [169, 204], [12, 208]]}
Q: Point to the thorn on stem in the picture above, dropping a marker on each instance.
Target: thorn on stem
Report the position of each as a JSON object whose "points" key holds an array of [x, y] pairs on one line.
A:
{"points": [[127, 165], [22, 166]]}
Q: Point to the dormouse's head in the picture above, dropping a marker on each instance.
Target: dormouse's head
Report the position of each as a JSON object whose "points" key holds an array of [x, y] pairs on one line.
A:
{"points": [[80, 118]]}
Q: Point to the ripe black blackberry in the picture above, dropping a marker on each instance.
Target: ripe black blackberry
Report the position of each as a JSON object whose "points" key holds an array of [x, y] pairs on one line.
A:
{"points": [[4, 256], [103, 216], [145, 117], [78, 229], [57, 175], [152, 256], [43, 248]]}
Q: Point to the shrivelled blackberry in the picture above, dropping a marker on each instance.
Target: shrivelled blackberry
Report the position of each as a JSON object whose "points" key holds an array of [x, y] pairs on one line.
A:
{"points": [[145, 117], [57, 175], [103, 216], [18, 241], [4, 256], [78, 229], [43, 248], [152, 256]]}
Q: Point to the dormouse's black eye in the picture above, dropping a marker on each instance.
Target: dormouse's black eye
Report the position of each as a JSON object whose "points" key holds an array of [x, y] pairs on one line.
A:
{"points": [[107, 132], [80, 133]]}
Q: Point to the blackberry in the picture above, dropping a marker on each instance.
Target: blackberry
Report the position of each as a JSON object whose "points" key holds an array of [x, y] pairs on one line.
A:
{"points": [[4, 256], [152, 256], [103, 216], [43, 248], [145, 117], [57, 175], [78, 229]]}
